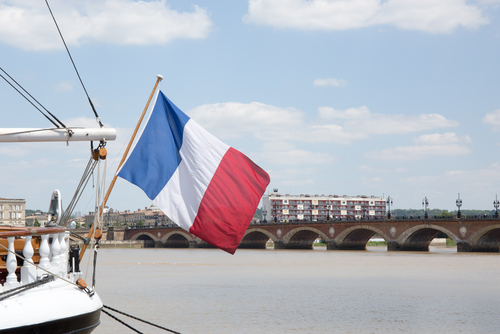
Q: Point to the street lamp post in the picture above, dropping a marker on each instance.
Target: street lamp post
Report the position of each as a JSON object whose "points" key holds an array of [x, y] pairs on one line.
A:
{"points": [[264, 215], [328, 211], [389, 203], [425, 204], [459, 204], [496, 204]]}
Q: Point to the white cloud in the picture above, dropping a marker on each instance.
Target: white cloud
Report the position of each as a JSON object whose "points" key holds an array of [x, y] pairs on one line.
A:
{"points": [[286, 154], [447, 144], [13, 150], [292, 177], [441, 139], [64, 86], [372, 182], [28, 25], [271, 123], [455, 173], [364, 168], [329, 82], [472, 183], [311, 15], [297, 182], [235, 120], [431, 16], [364, 121], [371, 169], [424, 15], [419, 180], [82, 122], [493, 119], [418, 152], [351, 113]]}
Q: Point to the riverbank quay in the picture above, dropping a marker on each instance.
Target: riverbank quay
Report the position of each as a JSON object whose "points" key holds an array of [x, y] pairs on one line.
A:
{"points": [[121, 244]]}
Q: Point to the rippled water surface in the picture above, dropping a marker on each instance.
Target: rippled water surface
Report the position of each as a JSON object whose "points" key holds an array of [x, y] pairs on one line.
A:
{"points": [[294, 291]]}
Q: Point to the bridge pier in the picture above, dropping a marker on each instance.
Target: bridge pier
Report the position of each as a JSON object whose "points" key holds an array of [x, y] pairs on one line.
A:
{"points": [[393, 246], [202, 244], [486, 248], [463, 247], [279, 244], [331, 245]]}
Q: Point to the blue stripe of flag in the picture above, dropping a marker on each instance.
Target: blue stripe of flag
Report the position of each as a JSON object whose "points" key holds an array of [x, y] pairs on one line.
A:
{"points": [[156, 157]]}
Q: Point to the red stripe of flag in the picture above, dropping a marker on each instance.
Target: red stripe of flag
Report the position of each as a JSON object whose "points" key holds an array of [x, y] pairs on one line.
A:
{"points": [[230, 201]]}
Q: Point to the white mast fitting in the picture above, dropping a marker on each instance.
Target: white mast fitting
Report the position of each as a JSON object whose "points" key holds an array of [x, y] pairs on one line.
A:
{"points": [[61, 134]]}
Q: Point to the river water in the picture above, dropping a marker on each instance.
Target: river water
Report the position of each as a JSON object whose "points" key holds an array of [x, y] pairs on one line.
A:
{"points": [[299, 291]]}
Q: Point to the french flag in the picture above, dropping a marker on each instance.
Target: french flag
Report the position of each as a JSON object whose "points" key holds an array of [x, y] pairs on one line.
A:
{"points": [[200, 183]]}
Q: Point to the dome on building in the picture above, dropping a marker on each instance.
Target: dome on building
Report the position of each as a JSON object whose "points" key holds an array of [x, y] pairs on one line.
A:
{"points": [[153, 207]]}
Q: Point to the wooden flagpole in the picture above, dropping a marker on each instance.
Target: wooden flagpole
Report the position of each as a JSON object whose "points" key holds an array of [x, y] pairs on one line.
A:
{"points": [[110, 188]]}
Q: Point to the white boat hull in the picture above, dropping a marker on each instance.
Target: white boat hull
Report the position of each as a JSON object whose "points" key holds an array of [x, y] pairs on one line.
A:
{"points": [[55, 307]]}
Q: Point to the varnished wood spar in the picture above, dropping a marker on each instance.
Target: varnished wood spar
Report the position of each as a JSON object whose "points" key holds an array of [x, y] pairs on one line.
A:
{"points": [[110, 188], [8, 231]]}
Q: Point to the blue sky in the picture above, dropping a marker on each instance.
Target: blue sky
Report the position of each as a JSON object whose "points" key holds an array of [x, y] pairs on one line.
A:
{"points": [[370, 97]]}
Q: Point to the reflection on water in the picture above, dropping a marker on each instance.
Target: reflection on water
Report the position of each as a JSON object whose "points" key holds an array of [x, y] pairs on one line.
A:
{"points": [[294, 291]]}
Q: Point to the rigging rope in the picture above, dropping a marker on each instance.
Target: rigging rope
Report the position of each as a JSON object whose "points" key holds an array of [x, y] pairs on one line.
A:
{"points": [[52, 121], [79, 190], [22, 288], [74, 66], [135, 318], [122, 322]]}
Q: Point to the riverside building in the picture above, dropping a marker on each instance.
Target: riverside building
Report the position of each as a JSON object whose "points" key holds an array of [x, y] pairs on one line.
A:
{"points": [[283, 208], [12, 212]]}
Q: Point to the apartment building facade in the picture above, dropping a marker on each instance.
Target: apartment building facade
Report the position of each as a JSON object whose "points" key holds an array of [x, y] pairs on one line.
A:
{"points": [[12, 212], [283, 208]]}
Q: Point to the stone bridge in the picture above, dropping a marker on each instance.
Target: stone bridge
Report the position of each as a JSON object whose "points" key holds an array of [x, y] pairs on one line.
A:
{"points": [[470, 235]]}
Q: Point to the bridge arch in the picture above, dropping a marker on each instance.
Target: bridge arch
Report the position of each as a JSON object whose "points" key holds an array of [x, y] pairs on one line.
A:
{"points": [[486, 239], [176, 239], [149, 239], [356, 237], [256, 238], [419, 237], [303, 238], [186, 235], [143, 235]]}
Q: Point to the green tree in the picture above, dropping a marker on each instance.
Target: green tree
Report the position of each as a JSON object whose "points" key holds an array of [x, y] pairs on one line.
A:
{"points": [[140, 223], [36, 223], [258, 214], [445, 213]]}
